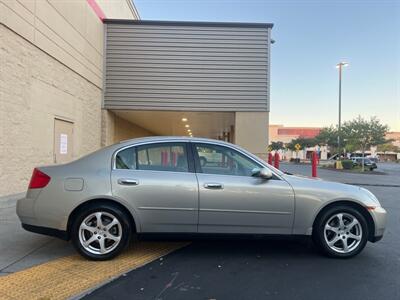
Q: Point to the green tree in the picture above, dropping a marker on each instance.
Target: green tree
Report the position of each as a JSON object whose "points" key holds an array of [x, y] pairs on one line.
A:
{"points": [[350, 147], [327, 136], [363, 134], [276, 145], [303, 142]]}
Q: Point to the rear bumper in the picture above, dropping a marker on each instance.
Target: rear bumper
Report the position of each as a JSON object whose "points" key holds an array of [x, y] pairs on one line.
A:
{"points": [[47, 231], [30, 212], [30, 222]]}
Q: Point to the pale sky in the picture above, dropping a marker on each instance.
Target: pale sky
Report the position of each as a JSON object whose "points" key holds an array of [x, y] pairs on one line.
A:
{"points": [[311, 37]]}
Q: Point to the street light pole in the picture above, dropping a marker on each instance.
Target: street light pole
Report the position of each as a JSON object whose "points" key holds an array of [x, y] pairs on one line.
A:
{"points": [[340, 67]]}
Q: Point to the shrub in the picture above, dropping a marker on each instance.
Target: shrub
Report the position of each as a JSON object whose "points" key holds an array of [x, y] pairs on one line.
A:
{"points": [[347, 164]]}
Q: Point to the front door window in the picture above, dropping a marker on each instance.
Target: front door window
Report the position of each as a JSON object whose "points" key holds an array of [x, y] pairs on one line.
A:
{"points": [[221, 160]]}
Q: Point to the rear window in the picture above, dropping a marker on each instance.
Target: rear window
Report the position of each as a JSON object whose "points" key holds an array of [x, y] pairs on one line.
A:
{"points": [[126, 159]]}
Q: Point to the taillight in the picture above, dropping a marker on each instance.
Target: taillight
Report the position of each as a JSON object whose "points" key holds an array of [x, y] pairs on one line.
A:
{"points": [[38, 180]]}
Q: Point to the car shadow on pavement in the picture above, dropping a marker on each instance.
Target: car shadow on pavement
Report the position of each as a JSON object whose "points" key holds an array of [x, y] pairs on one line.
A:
{"points": [[276, 246], [248, 268]]}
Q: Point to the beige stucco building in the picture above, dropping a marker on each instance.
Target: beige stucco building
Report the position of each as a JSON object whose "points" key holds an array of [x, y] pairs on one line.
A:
{"points": [[52, 102]]}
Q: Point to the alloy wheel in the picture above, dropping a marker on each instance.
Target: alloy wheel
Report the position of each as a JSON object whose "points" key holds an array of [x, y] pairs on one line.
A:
{"points": [[343, 232], [100, 233]]}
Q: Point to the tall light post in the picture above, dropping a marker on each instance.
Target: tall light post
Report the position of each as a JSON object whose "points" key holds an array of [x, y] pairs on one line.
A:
{"points": [[340, 67]]}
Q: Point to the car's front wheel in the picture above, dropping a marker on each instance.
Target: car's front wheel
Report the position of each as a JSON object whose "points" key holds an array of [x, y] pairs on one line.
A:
{"points": [[101, 232], [341, 231]]}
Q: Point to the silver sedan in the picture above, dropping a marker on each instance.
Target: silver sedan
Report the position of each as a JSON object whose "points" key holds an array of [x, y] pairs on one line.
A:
{"points": [[171, 185]]}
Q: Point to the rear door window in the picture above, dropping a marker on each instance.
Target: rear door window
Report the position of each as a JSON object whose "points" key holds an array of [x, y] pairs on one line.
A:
{"points": [[162, 157]]}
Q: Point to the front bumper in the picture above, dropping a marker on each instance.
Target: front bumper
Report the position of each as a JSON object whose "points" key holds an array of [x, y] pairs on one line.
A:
{"points": [[379, 215], [376, 238]]}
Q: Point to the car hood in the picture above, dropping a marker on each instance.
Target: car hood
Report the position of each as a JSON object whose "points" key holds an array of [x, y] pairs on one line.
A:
{"points": [[328, 191]]}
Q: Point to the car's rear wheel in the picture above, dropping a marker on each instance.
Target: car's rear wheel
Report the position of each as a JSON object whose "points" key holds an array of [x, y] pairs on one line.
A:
{"points": [[341, 231], [101, 232]]}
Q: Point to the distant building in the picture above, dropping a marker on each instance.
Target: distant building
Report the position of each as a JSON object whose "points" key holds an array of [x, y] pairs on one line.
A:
{"points": [[394, 136], [280, 133]]}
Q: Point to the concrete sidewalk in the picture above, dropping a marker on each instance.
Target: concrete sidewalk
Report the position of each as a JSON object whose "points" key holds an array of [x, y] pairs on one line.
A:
{"points": [[20, 249]]}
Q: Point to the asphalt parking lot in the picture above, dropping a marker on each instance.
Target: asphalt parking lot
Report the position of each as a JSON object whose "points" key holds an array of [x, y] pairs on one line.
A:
{"points": [[276, 269]]}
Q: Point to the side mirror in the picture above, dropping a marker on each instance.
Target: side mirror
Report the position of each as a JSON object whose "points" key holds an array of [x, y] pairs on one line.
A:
{"points": [[264, 173]]}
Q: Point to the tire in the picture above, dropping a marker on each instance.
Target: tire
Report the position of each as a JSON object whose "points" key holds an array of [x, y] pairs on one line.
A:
{"points": [[331, 236], [113, 233]]}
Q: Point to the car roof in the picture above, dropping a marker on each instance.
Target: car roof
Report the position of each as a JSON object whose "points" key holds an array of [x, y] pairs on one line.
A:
{"points": [[172, 138]]}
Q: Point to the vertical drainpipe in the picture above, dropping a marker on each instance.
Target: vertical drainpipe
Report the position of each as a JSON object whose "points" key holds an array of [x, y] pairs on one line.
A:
{"points": [[104, 63], [268, 77], [101, 15], [103, 131], [268, 68]]}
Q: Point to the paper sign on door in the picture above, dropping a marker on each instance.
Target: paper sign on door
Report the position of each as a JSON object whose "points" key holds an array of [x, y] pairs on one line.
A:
{"points": [[63, 143]]}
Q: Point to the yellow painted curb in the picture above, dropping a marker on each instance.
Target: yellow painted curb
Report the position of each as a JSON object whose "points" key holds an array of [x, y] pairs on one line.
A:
{"points": [[68, 276]]}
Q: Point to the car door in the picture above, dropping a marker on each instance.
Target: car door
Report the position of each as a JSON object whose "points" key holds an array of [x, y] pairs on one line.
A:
{"points": [[159, 182], [233, 201]]}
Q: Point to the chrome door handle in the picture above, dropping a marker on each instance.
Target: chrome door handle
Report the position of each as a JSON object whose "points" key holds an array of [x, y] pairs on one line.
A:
{"points": [[125, 181], [213, 185]]}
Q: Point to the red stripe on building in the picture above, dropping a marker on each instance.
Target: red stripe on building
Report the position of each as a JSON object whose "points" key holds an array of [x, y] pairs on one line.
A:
{"points": [[301, 132], [96, 8]]}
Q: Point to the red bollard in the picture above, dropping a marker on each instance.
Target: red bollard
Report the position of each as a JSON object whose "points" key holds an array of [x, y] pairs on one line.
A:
{"points": [[276, 160], [164, 158], [270, 158], [314, 161]]}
